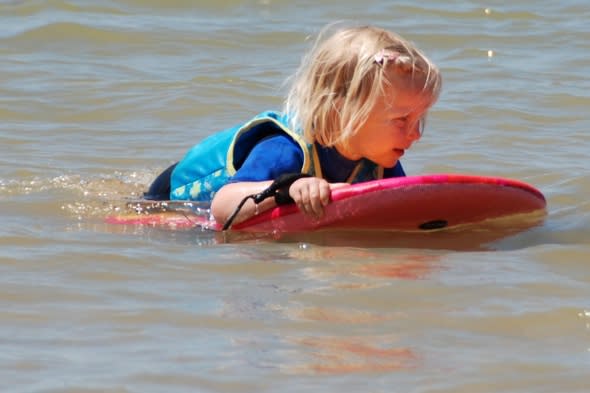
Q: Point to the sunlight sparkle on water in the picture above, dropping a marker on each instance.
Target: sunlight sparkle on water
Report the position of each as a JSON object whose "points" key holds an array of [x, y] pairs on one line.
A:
{"points": [[586, 314]]}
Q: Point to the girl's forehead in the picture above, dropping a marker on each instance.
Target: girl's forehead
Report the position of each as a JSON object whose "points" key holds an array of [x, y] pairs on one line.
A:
{"points": [[397, 99], [415, 80], [418, 86]]}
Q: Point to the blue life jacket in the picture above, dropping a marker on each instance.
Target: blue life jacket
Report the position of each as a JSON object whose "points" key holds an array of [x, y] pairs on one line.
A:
{"points": [[209, 164]]}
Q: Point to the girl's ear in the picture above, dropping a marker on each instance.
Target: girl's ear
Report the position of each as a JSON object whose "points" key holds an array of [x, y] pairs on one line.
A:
{"points": [[327, 127], [335, 117], [337, 104], [334, 112]]}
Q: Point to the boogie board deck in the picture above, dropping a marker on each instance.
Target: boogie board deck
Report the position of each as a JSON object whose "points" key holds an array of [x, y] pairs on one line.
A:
{"points": [[413, 203]]}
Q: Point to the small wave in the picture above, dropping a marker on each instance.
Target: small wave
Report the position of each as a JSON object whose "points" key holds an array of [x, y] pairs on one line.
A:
{"points": [[27, 8], [64, 33], [466, 12], [80, 197], [191, 4]]}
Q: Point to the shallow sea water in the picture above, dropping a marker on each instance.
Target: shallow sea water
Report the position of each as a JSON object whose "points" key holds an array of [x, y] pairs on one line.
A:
{"points": [[97, 97]]}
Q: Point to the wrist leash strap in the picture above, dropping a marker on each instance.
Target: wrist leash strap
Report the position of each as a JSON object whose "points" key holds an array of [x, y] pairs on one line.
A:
{"points": [[279, 189]]}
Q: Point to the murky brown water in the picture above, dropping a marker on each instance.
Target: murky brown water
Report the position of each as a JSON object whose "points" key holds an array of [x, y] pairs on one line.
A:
{"points": [[97, 97]]}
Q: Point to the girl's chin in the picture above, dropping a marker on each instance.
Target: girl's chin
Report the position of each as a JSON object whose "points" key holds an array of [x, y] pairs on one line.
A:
{"points": [[387, 163], [390, 160]]}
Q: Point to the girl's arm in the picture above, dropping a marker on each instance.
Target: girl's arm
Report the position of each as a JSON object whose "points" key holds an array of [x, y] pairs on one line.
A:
{"points": [[229, 196], [311, 194]]}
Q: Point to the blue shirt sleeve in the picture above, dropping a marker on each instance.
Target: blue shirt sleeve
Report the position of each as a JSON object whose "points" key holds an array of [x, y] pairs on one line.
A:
{"points": [[270, 158]]}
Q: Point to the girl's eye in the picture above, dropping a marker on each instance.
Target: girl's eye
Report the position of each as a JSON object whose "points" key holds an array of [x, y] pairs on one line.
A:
{"points": [[400, 121]]}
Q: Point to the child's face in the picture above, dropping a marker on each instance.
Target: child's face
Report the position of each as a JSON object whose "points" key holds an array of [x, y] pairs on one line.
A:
{"points": [[392, 127]]}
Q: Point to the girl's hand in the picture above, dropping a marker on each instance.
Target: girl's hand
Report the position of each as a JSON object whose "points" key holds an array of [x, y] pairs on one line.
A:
{"points": [[312, 194]]}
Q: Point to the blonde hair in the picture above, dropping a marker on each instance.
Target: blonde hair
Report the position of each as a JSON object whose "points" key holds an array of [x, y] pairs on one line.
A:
{"points": [[340, 80]]}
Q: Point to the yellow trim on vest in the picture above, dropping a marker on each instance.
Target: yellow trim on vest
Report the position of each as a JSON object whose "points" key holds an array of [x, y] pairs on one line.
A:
{"points": [[380, 172], [231, 170], [354, 173]]}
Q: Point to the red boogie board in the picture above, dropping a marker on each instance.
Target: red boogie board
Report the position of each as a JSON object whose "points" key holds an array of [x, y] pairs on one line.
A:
{"points": [[413, 203]]}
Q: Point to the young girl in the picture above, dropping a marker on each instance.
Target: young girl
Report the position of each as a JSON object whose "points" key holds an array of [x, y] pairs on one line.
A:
{"points": [[357, 103]]}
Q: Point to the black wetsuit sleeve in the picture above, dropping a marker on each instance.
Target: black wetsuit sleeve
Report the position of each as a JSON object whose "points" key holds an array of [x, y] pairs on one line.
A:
{"points": [[160, 188], [396, 171]]}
